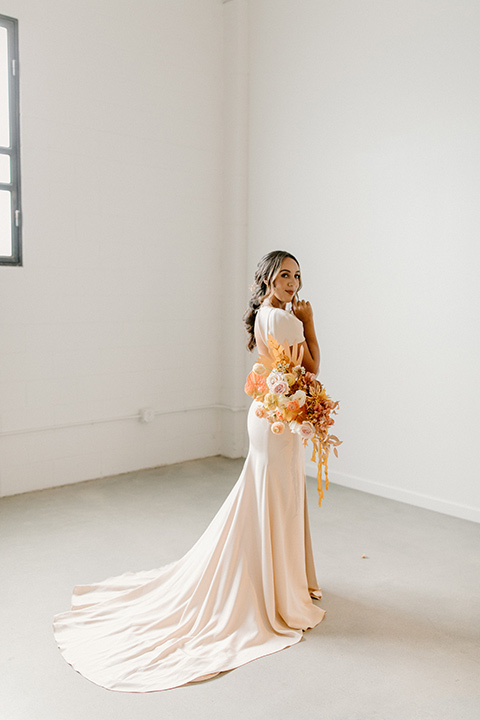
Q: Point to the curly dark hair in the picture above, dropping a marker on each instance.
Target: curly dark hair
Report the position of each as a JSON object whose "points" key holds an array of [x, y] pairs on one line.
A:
{"points": [[265, 274]]}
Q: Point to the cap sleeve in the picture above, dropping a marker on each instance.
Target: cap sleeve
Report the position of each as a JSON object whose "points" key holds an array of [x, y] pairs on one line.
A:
{"points": [[285, 327]]}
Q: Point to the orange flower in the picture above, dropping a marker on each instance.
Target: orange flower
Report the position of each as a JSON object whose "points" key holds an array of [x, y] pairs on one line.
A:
{"points": [[255, 385]]}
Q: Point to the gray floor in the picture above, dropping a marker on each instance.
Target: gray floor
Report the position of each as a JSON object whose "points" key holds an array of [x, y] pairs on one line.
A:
{"points": [[400, 639]]}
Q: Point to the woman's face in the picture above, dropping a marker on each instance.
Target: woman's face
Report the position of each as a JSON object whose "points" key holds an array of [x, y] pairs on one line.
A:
{"points": [[285, 283]]}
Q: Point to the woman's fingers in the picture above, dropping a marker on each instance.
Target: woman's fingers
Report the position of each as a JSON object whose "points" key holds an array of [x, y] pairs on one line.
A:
{"points": [[297, 302], [302, 309]]}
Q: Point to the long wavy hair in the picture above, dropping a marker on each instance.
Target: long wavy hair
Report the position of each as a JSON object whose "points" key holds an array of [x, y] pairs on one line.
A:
{"points": [[265, 274]]}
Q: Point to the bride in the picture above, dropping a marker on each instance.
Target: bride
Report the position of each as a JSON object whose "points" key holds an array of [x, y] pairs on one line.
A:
{"points": [[245, 588]]}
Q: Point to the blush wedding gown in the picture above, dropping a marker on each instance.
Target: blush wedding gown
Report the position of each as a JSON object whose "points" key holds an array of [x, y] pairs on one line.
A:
{"points": [[243, 591]]}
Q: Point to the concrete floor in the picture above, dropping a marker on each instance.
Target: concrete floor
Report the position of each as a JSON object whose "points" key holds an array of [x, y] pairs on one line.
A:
{"points": [[400, 640]]}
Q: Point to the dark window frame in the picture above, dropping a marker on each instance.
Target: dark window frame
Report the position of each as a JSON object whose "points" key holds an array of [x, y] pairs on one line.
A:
{"points": [[13, 151]]}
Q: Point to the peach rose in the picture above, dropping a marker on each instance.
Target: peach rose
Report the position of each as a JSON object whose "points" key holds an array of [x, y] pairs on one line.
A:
{"points": [[280, 388], [300, 396], [259, 369], [277, 427], [306, 430], [271, 401], [273, 379]]}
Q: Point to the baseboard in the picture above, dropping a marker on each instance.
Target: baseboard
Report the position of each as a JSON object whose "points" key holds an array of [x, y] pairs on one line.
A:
{"points": [[465, 512]]}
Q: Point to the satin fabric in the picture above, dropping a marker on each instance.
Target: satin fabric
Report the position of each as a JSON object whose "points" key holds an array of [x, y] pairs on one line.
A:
{"points": [[243, 591]]}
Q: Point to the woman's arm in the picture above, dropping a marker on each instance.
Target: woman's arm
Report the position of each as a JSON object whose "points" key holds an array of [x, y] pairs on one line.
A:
{"points": [[311, 352]]}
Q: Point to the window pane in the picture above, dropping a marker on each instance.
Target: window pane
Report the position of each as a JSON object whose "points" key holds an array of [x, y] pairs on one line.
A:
{"points": [[10, 195], [5, 223], [4, 168], [4, 103]]}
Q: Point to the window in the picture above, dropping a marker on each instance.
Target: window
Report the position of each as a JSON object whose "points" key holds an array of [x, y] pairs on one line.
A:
{"points": [[10, 238]]}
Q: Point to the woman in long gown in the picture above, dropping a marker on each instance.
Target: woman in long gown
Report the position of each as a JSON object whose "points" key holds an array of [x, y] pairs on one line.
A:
{"points": [[245, 588]]}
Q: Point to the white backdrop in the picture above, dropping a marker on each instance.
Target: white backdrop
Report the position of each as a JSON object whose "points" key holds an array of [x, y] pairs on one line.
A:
{"points": [[118, 305], [165, 148], [365, 161]]}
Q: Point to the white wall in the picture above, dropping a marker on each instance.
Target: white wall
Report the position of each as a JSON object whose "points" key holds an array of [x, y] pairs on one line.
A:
{"points": [[117, 305], [354, 128], [234, 278], [365, 161]]}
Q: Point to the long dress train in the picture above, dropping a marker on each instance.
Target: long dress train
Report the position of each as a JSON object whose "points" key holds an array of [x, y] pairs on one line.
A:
{"points": [[243, 591]]}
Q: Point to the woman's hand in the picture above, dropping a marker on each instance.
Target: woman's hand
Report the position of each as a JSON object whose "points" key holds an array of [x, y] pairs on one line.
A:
{"points": [[302, 310]]}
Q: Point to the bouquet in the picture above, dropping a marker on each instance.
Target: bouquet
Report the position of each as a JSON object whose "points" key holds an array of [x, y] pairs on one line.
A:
{"points": [[290, 398]]}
